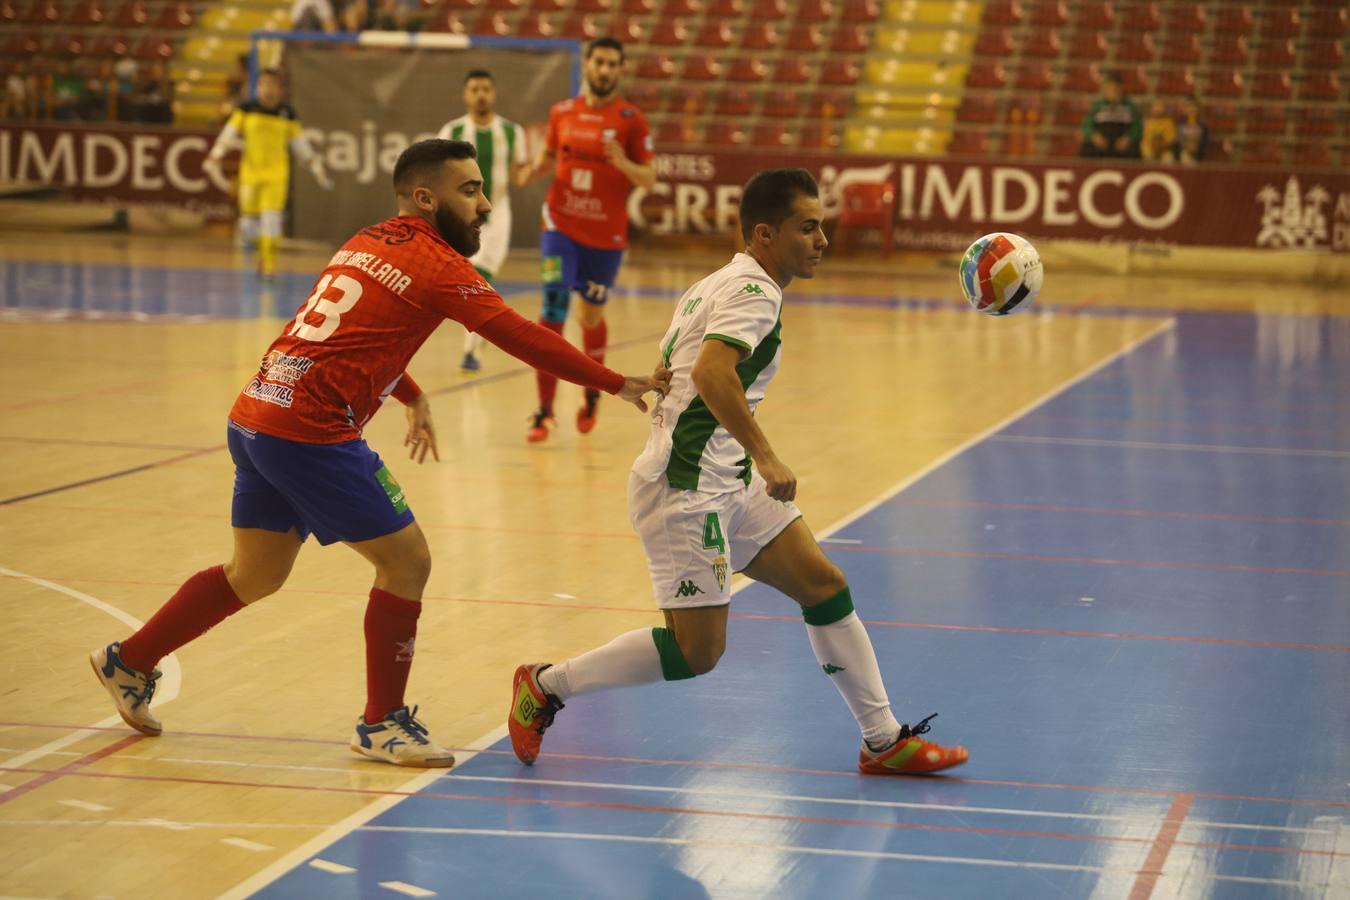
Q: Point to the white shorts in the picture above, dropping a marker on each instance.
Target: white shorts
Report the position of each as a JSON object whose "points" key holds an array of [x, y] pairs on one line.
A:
{"points": [[496, 240], [694, 540]]}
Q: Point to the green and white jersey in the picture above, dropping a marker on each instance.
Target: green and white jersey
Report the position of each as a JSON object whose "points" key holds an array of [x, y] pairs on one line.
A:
{"points": [[500, 146], [739, 304]]}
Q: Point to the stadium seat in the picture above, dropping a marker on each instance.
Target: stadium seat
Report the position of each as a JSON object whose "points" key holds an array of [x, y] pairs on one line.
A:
{"points": [[781, 104], [726, 9], [175, 16], [675, 131], [997, 42], [1224, 82], [68, 45], [9, 12], [814, 11], [701, 67], [1220, 117], [91, 12], [715, 34], [639, 7], [1182, 48], [1084, 77], [646, 97], [860, 12], [771, 134], [725, 133], [1176, 82], [760, 36], [656, 66], [628, 30], [867, 205], [827, 104], [581, 26], [1141, 18], [109, 46], [805, 38], [669, 33], [1034, 76], [1094, 14], [673, 9], [548, 6], [1233, 19], [506, 6], [1280, 22], [747, 70], [1320, 86], [977, 108], [1266, 120], [1133, 80], [792, 70], [1088, 45], [535, 24], [1228, 48], [1043, 44], [1187, 17], [1324, 54], [769, 11], [687, 100], [592, 6], [734, 102], [839, 71], [1049, 14], [1328, 22], [154, 49], [987, 75], [850, 39], [43, 12], [1313, 153], [1272, 86], [23, 43], [1262, 153], [135, 14], [1065, 144], [1003, 12], [1070, 111], [1315, 120], [1136, 48], [819, 136], [969, 143], [1276, 53]]}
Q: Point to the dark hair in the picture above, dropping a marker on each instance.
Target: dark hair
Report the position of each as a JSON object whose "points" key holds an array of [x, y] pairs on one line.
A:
{"points": [[479, 73], [422, 159], [612, 43], [769, 195]]}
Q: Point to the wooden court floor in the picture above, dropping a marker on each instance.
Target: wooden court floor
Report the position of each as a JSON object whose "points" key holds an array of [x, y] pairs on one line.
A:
{"points": [[116, 487]]}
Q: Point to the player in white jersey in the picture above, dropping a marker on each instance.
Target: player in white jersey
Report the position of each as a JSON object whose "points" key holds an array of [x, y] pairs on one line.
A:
{"points": [[503, 157], [703, 512]]}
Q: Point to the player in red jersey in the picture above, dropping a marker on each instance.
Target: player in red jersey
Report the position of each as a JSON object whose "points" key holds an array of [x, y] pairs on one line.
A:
{"points": [[598, 146], [301, 465]]}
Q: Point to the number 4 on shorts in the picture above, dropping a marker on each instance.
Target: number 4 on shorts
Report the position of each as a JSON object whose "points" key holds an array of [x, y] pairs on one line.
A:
{"points": [[712, 534]]}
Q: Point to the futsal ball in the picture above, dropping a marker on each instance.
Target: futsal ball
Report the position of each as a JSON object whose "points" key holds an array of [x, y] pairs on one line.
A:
{"points": [[1001, 273]]}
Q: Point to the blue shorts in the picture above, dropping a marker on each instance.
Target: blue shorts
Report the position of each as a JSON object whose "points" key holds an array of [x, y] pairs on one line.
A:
{"points": [[567, 262], [339, 492]]}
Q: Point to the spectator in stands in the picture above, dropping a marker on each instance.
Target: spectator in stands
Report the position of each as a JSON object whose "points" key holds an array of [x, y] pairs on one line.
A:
{"points": [[66, 88], [236, 89], [153, 100], [17, 101], [398, 15], [1113, 125], [1160, 134], [313, 15], [126, 75], [1192, 135]]}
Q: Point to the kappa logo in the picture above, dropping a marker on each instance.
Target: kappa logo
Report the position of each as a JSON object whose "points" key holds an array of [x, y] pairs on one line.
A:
{"points": [[688, 589], [831, 668], [752, 288]]}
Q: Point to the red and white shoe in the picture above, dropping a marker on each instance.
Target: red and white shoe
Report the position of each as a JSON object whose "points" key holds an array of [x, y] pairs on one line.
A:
{"points": [[532, 712], [586, 415], [910, 754], [539, 426]]}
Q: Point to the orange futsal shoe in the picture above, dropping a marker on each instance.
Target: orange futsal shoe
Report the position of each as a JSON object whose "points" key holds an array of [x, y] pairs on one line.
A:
{"points": [[539, 424], [910, 754], [586, 415], [532, 711]]}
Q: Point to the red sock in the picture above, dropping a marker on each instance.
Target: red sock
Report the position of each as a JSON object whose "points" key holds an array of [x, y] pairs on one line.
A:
{"points": [[548, 384], [204, 601], [391, 629], [594, 341]]}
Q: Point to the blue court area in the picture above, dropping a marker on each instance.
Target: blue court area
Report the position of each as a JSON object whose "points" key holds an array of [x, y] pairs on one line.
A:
{"points": [[1130, 604]]}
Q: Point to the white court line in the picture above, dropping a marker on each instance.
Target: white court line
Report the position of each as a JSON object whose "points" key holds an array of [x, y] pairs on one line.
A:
{"points": [[324, 865], [1157, 445], [141, 823], [830, 540], [360, 817], [88, 807], [410, 890], [169, 684], [246, 844]]}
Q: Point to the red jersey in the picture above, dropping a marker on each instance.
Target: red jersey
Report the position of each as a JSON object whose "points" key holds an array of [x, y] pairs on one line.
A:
{"points": [[588, 200], [379, 299]]}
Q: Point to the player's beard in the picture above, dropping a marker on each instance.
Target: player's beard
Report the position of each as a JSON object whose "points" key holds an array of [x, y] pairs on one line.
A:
{"points": [[460, 235], [599, 91]]}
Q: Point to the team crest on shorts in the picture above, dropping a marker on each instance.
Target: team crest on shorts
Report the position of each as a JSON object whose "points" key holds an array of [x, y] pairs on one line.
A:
{"points": [[720, 571]]}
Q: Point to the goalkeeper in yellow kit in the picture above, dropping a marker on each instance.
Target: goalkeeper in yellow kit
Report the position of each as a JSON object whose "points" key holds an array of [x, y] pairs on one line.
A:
{"points": [[267, 132]]}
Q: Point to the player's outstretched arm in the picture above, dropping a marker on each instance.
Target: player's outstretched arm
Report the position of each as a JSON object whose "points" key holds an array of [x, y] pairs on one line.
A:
{"points": [[719, 385]]}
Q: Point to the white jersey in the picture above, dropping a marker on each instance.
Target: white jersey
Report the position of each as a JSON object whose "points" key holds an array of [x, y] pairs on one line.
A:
{"points": [[739, 304], [501, 146]]}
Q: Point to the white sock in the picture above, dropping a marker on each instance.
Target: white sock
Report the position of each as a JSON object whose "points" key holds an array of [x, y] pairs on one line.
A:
{"points": [[845, 653], [248, 229], [472, 342], [629, 659]]}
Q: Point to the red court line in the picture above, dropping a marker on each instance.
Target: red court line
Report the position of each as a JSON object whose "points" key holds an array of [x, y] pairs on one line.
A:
{"points": [[1091, 561], [1152, 868], [749, 767], [70, 768], [1110, 511]]}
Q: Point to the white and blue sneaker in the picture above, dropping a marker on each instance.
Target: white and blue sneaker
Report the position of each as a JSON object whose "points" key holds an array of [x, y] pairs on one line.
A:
{"points": [[399, 738], [130, 690]]}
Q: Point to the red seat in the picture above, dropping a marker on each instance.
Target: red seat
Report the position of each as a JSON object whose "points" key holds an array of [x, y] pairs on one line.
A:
{"points": [[1224, 83], [1324, 54], [1329, 22], [1272, 86], [760, 36], [781, 104], [135, 14], [850, 39], [506, 6], [1094, 14], [677, 8], [535, 24], [701, 67], [1071, 111], [1182, 48], [1133, 80], [769, 11], [734, 102], [819, 136], [9, 13], [1233, 19], [153, 48], [987, 75], [669, 33], [725, 133], [1049, 13], [792, 70], [592, 6], [176, 16], [1034, 76], [1318, 120], [1229, 48], [827, 105], [860, 12], [639, 7], [716, 34], [1088, 45], [814, 11], [867, 205], [1320, 86], [1280, 23], [1042, 44], [1276, 53], [747, 70], [1085, 77], [644, 96], [1136, 48], [43, 12], [1313, 153], [581, 26], [839, 71], [88, 13], [1262, 153], [771, 134], [687, 100], [1266, 120], [726, 9], [656, 66], [675, 131], [1003, 12], [969, 143], [1141, 17], [110, 46], [629, 31], [492, 23], [1220, 117], [994, 42], [1065, 144], [805, 38], [977, 108], [1176, 82], [1187, 17], [68, 45], [548, 6]]}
